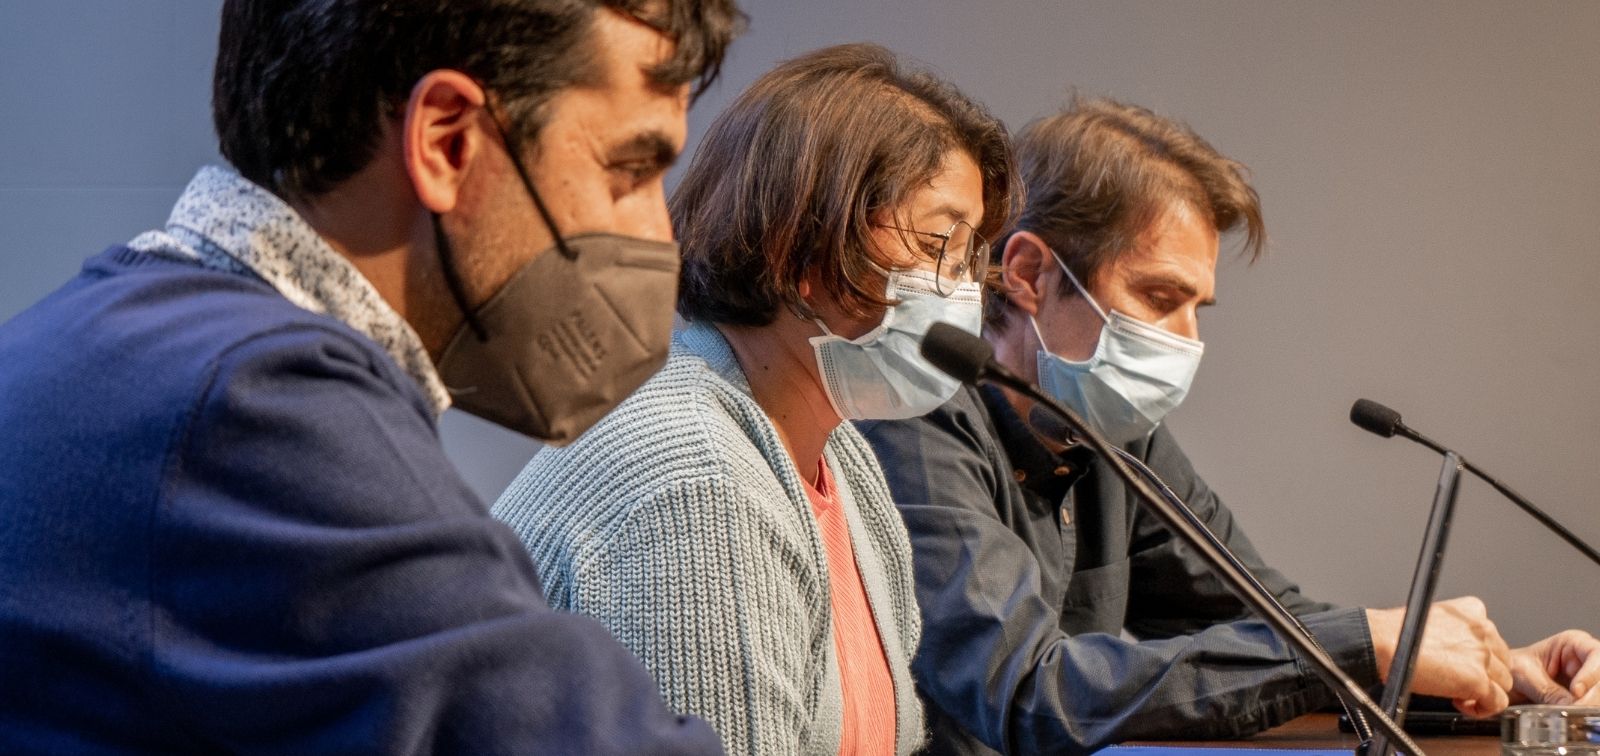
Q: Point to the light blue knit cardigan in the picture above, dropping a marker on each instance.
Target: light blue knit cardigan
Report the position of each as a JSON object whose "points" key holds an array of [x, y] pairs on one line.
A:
{"points": [[680, 522]]}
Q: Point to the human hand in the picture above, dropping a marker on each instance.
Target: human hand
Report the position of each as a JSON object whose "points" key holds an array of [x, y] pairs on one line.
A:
{"points": [[1463, 658], [1561, 669]]}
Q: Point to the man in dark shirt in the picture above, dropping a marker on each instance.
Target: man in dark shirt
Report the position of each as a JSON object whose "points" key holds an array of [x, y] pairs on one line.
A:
{"points": [[1032, 559], [226, 521]]}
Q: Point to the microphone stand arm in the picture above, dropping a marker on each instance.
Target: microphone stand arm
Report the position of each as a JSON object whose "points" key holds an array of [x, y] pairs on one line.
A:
{"points": [[1505, 490], [1358, 721], [1238, 581]]}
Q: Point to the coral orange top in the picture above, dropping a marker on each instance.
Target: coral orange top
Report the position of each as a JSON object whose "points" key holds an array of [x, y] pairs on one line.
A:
{"points": [[869, 716]]}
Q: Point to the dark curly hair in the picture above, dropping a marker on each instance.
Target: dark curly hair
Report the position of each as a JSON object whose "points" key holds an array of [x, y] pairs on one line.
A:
{"points": [[302, 86]]}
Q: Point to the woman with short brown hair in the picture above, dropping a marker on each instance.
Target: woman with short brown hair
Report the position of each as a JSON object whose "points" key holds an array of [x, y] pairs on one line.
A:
{"points": [[725, 522]]}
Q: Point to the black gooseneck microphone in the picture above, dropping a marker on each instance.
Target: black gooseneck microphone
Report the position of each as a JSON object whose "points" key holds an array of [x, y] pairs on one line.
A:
{"points": [[970, 360], [1376, 418], [1047, 424]]}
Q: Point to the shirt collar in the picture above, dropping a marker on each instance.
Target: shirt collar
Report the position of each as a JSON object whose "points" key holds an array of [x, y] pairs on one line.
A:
{"points": [[226, 222], [1035, 466]]}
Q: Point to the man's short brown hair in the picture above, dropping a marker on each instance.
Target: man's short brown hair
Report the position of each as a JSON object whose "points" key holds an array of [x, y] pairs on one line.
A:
{"points": [[1099, 173], [788, 181]]}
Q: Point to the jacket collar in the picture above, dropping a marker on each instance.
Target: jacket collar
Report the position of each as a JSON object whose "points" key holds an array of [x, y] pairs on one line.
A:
{"points": [[225, 222], [1035, 466]]}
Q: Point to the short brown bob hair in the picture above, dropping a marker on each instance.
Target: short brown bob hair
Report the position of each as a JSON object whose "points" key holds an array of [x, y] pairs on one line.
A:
{"points": [[1099, 173], [788, 181]]}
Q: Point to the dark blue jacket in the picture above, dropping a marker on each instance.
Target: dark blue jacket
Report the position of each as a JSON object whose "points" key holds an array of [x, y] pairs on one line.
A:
{"points": [[1031, 564], [226, 523]]}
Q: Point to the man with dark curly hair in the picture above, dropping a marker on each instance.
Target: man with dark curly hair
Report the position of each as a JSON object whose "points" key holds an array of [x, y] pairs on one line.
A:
{"points": [[226, 521]]}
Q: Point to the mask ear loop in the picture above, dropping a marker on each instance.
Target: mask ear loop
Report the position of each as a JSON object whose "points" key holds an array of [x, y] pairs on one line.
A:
{"points": [[512, 150], [1038, 334], [1079, 286], [453, 280], [888, 312], [442, 245]]}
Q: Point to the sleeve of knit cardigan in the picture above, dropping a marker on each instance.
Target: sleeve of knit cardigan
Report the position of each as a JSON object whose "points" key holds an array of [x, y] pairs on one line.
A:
{"points": [[717, 596]]}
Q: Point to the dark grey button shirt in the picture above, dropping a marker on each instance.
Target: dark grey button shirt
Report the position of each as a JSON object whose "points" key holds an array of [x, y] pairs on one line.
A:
{"points": [[1030, 564]]}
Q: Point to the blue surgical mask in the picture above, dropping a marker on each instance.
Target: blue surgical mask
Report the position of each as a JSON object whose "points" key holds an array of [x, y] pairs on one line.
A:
{"points": [[882, 375], [1138, 373]]}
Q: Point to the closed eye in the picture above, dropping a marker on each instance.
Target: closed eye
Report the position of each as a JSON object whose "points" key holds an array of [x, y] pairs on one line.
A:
{"points": [[1162, 303], [639, 160], [639, 170]]}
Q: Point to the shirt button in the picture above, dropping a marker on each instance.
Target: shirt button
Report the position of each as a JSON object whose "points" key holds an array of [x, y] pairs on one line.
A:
{"points": [[1066, 517], [1019, 474], [1063, 470]]}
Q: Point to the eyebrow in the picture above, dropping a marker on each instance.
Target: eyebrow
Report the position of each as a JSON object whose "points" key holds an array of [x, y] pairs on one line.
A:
{"points": [[947, 210], [1164, 279], [652, 146]]}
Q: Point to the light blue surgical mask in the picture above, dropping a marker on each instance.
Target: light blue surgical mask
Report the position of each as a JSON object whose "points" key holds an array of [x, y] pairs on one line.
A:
{"points": [[1138, 373], [882, 375]]}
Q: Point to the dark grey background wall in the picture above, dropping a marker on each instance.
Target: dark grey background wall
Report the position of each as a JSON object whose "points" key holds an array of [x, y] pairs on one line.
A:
{"points": [[1431, 175]]}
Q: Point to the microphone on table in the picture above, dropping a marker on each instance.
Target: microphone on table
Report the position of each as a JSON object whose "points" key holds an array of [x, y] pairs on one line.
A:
{"points": [[1376, 418], [970, 360]]}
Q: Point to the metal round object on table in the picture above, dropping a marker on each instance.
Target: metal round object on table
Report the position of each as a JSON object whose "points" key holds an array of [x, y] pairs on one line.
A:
{"points": [[1550, 731]]}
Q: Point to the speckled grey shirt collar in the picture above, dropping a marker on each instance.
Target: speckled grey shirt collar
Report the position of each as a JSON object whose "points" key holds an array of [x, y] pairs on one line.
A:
{"points": [[225, 222]]}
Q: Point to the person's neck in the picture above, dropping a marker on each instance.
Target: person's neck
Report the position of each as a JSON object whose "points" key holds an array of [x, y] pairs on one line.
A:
{"points": [[778, 364], [1017, 350], [381, 232]]}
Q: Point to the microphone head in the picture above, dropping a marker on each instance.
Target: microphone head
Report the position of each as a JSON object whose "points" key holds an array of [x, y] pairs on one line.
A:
{"points": [[960, 354], [1375, 418]]}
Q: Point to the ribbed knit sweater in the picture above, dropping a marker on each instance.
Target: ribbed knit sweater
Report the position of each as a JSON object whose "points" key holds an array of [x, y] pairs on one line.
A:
{"points": [[681, 523]]}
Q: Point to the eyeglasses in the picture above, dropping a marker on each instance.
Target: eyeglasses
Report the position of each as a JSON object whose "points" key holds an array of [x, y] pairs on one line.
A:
{"points": [[963, 255]]}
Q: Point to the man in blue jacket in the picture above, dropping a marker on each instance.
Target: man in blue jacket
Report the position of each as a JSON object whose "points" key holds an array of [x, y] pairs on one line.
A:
{"points": [[226, 522], [1032, 558]]}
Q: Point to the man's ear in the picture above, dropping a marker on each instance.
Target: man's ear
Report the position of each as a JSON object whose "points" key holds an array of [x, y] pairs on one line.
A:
{"points": [[1026, 269], [443, 135]]}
